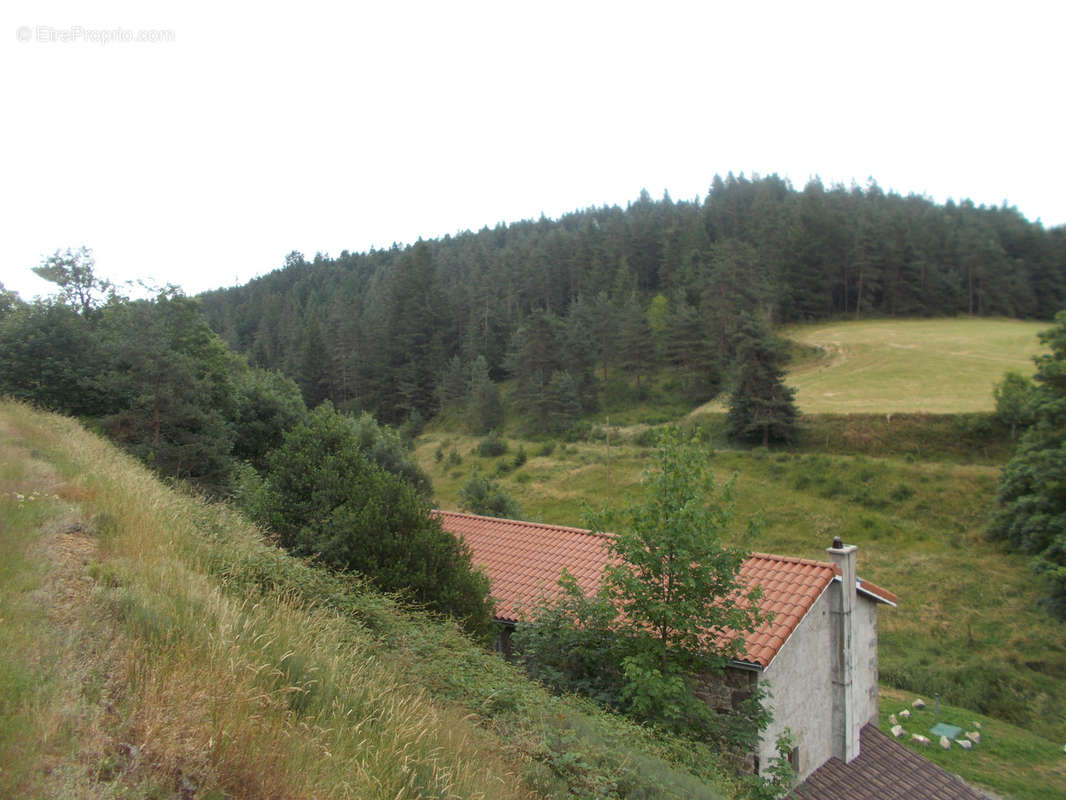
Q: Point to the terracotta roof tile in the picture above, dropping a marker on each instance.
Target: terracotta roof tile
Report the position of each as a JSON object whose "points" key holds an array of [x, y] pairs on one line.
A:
{"points": [[884, 770], [525, 559]]}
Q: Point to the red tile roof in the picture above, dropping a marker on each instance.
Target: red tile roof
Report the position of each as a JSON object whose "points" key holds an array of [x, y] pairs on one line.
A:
{"points": [[525, 559], [883, 770]]}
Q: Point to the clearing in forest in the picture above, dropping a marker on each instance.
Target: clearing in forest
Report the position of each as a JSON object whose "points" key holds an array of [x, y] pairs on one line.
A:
{"points": [[937, 366]]}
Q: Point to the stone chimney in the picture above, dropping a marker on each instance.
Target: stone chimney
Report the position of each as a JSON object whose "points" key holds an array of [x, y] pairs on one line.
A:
{"points": [[846, 722]]}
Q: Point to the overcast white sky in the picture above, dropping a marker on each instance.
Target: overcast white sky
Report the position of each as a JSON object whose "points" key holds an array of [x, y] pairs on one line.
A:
{"points": [[263, 129]]}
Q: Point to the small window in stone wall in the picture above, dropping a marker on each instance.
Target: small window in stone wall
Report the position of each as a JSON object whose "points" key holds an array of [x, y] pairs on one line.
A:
{"points": [[794, 758]]}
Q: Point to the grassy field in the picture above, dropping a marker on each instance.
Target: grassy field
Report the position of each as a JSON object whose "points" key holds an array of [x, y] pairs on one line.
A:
{"points": [[930, 366], [969, 625], [938, 366], [156, 646], [1008, 760]]}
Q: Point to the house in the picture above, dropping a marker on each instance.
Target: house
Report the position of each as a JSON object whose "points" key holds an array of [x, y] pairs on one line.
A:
{"points": [[817, 656]]}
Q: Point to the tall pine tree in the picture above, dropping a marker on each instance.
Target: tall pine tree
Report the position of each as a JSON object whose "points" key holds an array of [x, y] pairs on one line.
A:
{"points": [[761, 407]]}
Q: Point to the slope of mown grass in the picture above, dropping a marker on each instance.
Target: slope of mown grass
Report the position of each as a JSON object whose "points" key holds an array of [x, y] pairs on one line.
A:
{"points": [[937, 366], [1008, 760], [969, 623], [157, 646]]}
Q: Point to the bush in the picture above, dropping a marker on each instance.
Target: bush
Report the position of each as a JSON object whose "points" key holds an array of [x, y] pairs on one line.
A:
{"points": [[412, 428], [388, 449], [323, 497], [901, 493], [482, 495], [519, 458], [646, 438], [492, 445]]}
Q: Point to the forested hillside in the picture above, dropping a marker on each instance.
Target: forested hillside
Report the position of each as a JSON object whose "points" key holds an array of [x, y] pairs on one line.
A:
{"points": [[562, 304]]}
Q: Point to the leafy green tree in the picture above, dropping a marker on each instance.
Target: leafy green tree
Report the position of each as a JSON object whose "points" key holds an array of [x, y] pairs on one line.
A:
{"points": [[492, 445], [324, 497], [672, 587], [571, 644], [1013, 397], [74, 272], [267, 405], [50, 356], [386, 447], [676, 583], [9, 301], [482, 495], [761, 406], [172, 380], [1032, 490]]}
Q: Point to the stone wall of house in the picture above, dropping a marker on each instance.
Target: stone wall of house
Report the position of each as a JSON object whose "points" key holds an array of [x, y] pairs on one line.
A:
{"points": [[725, 691], [800, 685]]}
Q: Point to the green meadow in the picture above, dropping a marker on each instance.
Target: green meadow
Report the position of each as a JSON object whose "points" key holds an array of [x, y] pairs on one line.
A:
{"points": [[1010, 761], [884, 366], [937, 366]]}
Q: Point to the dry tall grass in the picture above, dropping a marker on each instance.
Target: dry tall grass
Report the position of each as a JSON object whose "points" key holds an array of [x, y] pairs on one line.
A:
{"points": [[149, 680]]}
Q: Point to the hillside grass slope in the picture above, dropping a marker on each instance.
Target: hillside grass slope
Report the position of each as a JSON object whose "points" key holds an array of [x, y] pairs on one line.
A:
{"points": [[969, 623], [157, 646], [947, 365], [933, 366]]}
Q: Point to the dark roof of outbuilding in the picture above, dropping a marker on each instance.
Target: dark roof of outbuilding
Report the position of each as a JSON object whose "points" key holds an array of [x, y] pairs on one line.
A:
{"points": [[884, 770]]}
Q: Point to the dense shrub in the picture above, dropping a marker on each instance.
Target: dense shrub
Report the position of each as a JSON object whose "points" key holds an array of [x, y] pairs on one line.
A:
{"points": [[482, 495], [324, 497], [492, 445], [1032, 493]]}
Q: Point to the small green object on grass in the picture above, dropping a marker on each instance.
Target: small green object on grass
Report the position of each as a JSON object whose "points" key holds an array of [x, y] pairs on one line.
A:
{"points": [[944, 729]]}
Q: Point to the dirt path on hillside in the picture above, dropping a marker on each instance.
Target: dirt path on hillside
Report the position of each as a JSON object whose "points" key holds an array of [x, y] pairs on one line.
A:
{"points": [[71, 551], [66, 540]]}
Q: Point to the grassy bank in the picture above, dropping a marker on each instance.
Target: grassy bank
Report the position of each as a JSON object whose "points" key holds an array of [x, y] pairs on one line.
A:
{"points": [[157, 646], [972, 438], [1008, 760], [969, 625]]}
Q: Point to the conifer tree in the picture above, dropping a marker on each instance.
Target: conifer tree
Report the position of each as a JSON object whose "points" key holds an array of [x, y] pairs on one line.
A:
{"points": [[562, 406], [484, 409], [635, 347], [580, 352], [314, 375], [761, 406], [452, 387]]}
